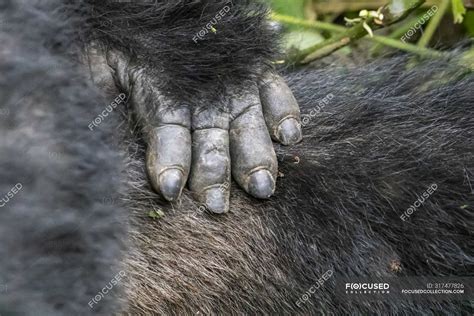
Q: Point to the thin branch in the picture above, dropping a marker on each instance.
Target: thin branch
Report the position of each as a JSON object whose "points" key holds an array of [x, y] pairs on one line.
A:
{"points": [[318, 25], [433, 24], [397, 33], [392, 12], [332, 44], [423, 52], [420, 51]]}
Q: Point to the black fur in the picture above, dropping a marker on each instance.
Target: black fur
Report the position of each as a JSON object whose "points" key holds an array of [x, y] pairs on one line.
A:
{"points": [[61, 242], [368, 154], [162, 36]]}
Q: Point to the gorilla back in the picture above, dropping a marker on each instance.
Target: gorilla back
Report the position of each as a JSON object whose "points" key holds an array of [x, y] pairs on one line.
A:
{"points": [[351, 201]]}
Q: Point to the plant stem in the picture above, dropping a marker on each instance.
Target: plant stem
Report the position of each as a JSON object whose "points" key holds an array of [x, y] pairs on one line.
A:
{"points": [[332, 44], [396, 34], [393, 12], [433, 24], [318, 25], [420, 51], [338, 40]]}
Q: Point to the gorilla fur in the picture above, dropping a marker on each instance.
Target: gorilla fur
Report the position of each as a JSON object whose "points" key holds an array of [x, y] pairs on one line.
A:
{"points": [[163, 36], [367, 155], [61, 241]]}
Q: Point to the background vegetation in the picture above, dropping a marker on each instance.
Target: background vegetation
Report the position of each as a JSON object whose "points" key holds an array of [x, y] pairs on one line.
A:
{"points": [[316, 28]]}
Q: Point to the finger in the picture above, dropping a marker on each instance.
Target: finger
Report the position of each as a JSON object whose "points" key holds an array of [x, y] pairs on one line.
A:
{"points": [[254, 163], [280, 109], [169, 159], [166, 126], [210, 171]]}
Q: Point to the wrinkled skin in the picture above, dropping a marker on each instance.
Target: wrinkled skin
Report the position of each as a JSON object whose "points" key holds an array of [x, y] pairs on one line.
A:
{"points": [[204, 144]]}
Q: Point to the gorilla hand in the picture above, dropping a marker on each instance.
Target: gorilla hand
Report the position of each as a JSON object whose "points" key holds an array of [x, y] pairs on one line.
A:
{"points": [[205, 143]]}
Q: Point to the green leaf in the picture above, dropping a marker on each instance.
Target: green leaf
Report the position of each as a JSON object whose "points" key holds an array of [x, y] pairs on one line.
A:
{"points": [[289, 7], [156, 214], [301, 39], [295, 37], [458, 10], [469, 22], [397, 9]]}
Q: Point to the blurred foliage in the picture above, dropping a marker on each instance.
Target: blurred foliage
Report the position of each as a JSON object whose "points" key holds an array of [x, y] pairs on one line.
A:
{"points": [[469, 22], [296, 38], [289, 7], [444, 33], [458, 10], [301, 39]]}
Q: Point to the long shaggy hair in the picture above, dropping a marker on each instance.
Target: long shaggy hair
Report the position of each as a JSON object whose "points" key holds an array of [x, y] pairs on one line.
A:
{"points": [[195, 49], [62, 239], [369, 153]]}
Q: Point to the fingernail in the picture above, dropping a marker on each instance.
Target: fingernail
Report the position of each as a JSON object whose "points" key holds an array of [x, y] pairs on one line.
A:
{"points": [[171, 184], [216, 200], [289, 132], [261, 184]]}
